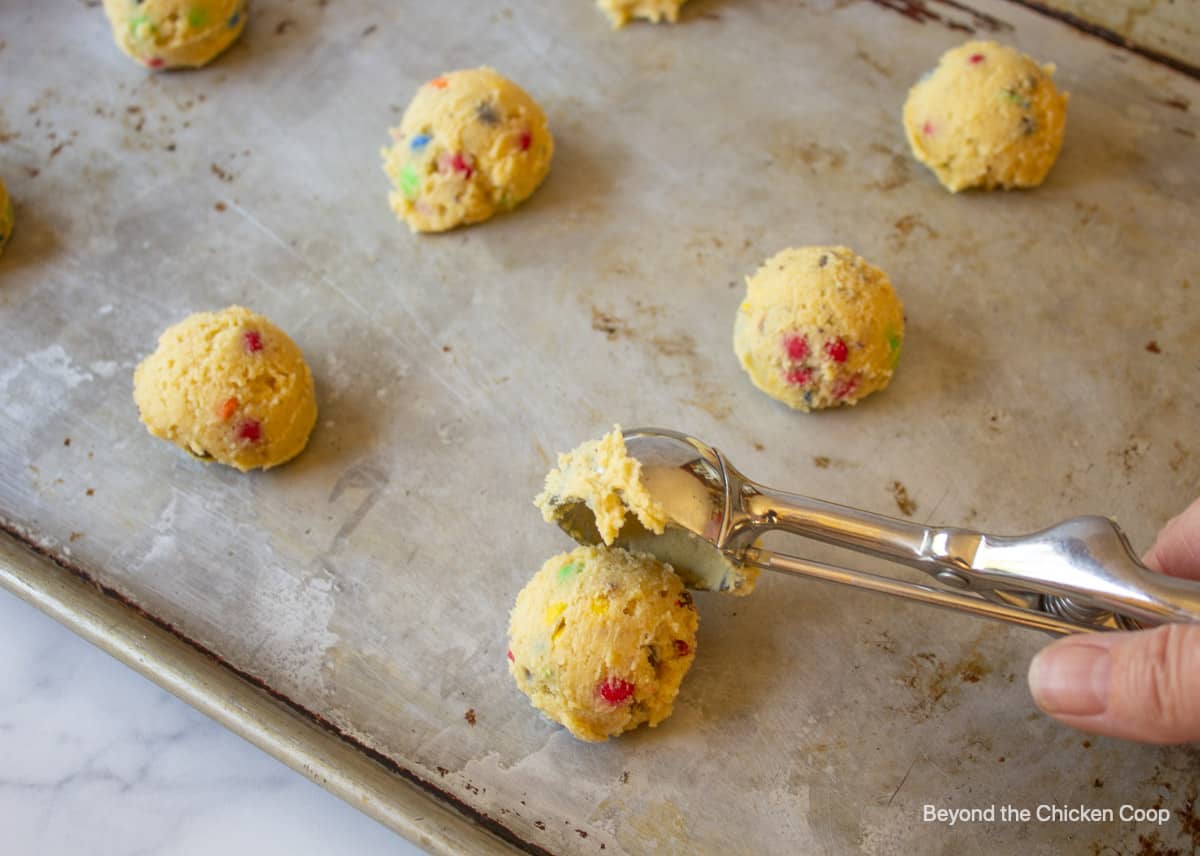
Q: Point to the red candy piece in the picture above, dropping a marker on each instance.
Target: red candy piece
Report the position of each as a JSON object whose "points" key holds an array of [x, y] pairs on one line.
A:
{"points": [[155, 62], [927, 128], [682, 648], [252, 340], [439, 83], [456, 162], [795, 346], [616, 691], [799, 377], [977, 58], [526, 140], [511, 658], [250, 430], [836, 350], [843, 388]]}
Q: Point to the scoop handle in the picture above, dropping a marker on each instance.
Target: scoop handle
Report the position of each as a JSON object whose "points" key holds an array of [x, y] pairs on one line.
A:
{"points": [[1079, 568]]}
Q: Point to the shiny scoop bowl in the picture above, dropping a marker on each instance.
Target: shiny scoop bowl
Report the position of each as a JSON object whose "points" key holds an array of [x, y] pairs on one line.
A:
{"points": [[1077, 576]]}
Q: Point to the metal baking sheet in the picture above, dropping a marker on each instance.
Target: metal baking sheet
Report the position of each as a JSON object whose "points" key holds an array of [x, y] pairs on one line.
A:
{"points": [[1050, 369]]}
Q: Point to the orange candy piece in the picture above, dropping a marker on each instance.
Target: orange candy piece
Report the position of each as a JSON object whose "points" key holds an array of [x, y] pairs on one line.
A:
{"points": [[227, 409]]}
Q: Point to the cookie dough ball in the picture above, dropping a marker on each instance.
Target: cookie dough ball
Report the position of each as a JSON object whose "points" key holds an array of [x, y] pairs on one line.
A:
{"points": [[6, 217], [175, 33], [620, 11], [600, 640], [987, 117], [471, 143], [228, 386], [819, 327]]}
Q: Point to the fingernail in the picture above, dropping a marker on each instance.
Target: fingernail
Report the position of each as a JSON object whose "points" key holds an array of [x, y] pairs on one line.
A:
{"points": [[1071, 679]]}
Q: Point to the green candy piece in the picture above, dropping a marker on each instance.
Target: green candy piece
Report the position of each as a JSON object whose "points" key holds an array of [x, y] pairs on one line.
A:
{"points": [[197, 17], [894, 342], [136, 24], [569, 568], [1016, 98], [410, 182]]}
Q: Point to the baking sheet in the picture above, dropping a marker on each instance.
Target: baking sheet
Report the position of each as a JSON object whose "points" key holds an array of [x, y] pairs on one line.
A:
{"points": [[1050, 369]]}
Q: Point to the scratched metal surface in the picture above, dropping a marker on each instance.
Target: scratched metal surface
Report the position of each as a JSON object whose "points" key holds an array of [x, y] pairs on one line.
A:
{"points": [[369, 581]]}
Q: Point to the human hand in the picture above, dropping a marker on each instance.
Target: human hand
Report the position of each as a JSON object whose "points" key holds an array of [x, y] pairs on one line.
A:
{"points": [[1141, 686]]}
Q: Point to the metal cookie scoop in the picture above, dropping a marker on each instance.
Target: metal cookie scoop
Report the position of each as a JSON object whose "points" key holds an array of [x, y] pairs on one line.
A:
{"points": [[1079, 575]]}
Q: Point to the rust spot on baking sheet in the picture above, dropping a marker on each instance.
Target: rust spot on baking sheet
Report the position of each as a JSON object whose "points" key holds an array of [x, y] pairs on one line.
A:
{"points": [[1086, 211], [74, 536], [788, 152], [679, 352], [904, 502], [609, 325], [904, 227], [759, 447], [283, 26], [1180, 457], [897, 173], [1175, 102], [469, 716], [220, 206], [67, 441], [949, 13], [821, 462], [1152, 347], [91, 491], [366, 32], [1110, 37], [391, 765], [1152, 845], [872, 62], [934, 683], [220, 173]]}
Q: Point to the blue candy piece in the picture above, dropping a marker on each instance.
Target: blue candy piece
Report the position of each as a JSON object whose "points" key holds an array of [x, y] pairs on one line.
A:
{"points": [[419, 142], [233, 20]]}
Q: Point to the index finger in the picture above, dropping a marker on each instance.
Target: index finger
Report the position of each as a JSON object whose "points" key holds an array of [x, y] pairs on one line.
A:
{"points": [[1176, 551]]}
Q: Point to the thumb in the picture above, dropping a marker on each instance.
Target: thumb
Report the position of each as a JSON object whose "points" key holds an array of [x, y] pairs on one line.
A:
{"points": [[1141, 686]]}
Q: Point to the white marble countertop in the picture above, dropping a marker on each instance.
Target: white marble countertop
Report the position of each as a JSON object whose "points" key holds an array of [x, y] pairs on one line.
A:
{"points": [[99, 761]]}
